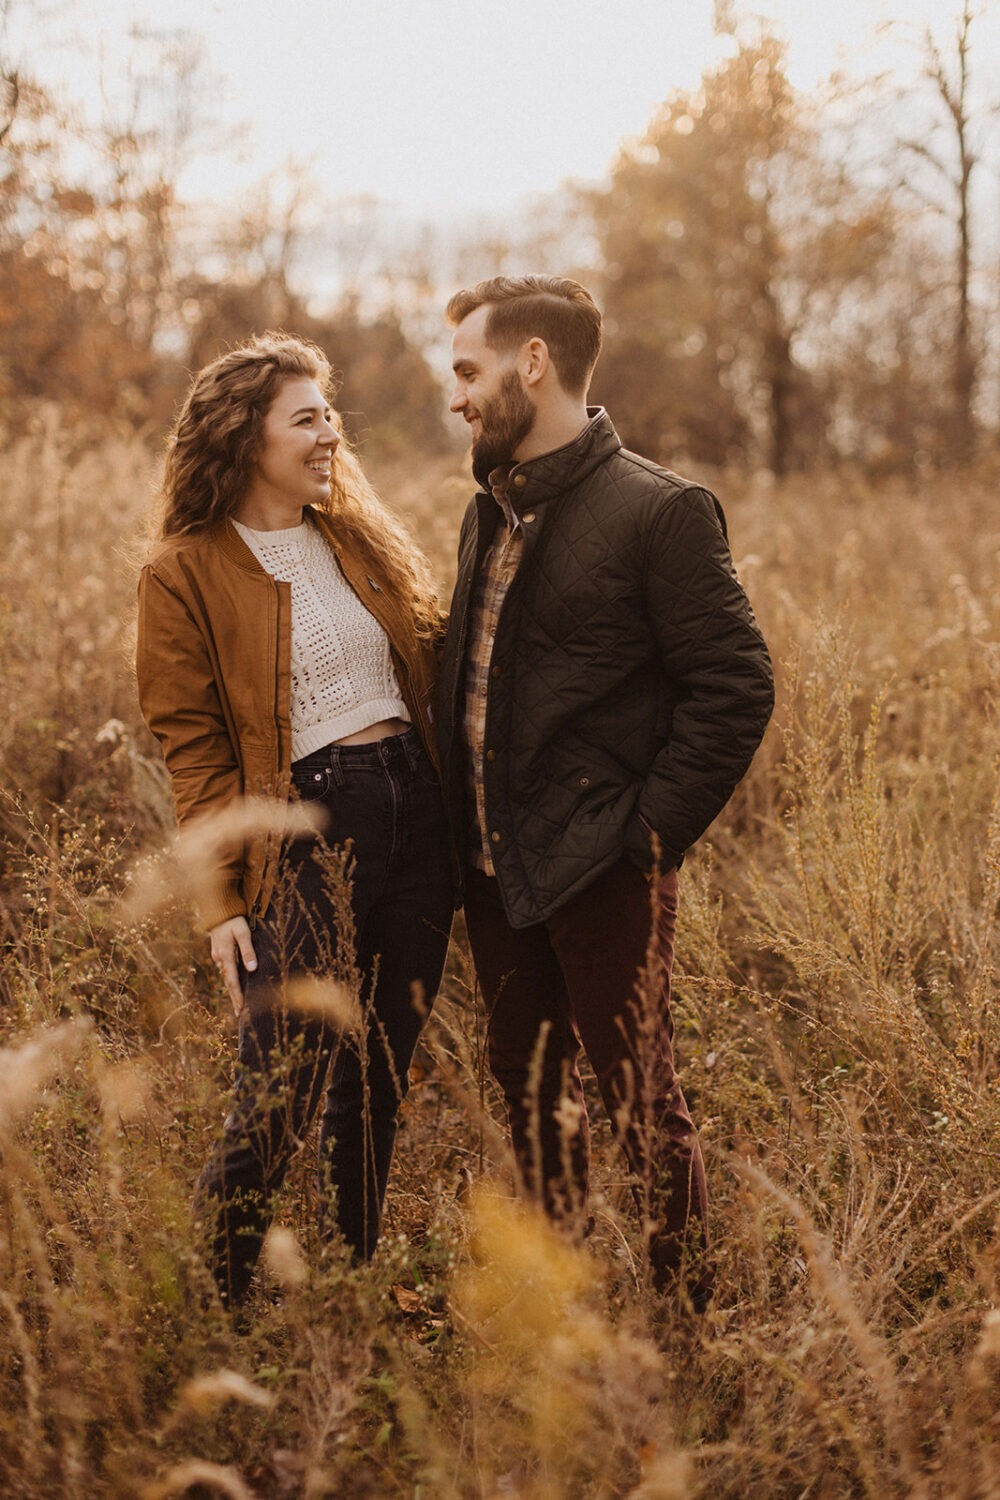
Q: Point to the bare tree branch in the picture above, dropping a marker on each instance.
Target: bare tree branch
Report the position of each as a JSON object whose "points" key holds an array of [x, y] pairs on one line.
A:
{"points": [[11, 86]]}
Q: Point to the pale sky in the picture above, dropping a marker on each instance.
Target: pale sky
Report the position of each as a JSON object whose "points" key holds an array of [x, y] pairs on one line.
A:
{"points": [[442, 106]]}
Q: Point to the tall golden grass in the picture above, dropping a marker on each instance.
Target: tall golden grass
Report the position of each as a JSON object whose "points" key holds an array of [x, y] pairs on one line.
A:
{"points": [[838, 1028]]}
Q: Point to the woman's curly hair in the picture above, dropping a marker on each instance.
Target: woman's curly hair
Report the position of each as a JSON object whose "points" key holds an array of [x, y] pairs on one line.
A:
{"points": [[216, 439]]}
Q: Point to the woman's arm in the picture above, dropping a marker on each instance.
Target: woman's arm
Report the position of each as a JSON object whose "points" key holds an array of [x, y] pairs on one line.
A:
{"points": [[180, 701]]}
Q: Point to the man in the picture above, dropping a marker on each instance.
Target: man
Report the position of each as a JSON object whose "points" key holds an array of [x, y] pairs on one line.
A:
{"points": [[604, 687]]}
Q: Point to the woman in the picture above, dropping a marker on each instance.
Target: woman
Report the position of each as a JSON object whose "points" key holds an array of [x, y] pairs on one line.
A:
{"points": [[287, 630]]}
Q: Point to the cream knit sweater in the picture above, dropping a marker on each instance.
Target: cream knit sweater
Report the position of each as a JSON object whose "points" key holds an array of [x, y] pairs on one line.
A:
{"points": [[342, 673]]}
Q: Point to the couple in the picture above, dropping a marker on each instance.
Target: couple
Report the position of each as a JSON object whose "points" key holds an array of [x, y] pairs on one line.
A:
{"points": [[600, 690]]}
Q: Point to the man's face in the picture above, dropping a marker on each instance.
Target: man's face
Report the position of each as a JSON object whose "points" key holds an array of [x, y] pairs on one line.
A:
{"points": [[489, 394]]}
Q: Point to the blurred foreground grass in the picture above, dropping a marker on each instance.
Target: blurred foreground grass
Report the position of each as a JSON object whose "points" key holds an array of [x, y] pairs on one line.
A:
{"points": [[838, 1028]]}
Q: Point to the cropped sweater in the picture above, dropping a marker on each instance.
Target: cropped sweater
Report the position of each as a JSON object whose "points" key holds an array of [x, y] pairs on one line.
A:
{"points": [[341, 669]]}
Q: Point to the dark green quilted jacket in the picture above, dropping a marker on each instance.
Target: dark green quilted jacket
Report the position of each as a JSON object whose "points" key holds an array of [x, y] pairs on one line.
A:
{"points": [[630, 684]]}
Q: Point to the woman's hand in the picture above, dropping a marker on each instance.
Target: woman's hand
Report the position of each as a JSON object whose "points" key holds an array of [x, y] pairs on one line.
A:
{"points": [[231, 941]]}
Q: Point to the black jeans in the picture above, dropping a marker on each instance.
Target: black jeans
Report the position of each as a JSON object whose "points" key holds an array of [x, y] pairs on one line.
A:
{"points": [[367, 904]]}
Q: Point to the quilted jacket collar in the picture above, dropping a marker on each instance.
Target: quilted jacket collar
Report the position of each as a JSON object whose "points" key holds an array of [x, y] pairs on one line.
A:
{"points": [[551, 474]]}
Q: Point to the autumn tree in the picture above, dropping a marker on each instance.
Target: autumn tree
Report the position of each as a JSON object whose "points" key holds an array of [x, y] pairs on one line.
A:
{"points": [[48, 303], [723, 229], [687, 238], [88, 244], [390, 397]]}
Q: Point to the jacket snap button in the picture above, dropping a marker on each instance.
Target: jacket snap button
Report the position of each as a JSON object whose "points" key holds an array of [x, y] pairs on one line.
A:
{"points": [[494, 671], [317, 776], [520, 480], [491, 755], [584, 780], [495, 837], [529, 517]]}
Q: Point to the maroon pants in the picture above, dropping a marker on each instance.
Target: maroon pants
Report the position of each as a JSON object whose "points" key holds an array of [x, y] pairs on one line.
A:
{"points": [[596, 974]]}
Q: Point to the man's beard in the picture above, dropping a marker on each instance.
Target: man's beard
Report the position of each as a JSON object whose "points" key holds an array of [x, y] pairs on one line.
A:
{"points": [[505, 422]]}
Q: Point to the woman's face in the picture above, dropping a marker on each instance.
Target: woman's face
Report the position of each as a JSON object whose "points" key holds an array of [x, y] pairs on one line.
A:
{"points": [[292, 468]]}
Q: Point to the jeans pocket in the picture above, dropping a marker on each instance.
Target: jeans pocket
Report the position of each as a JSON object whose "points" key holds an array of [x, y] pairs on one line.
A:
{"points": [[311, 783]]}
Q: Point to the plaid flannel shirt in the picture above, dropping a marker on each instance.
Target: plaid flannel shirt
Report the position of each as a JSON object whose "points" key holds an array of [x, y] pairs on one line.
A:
{"points": [[500, 564]]}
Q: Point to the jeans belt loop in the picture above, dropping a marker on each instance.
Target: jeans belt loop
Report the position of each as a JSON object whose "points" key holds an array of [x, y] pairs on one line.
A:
{"points": [[335, 765]]}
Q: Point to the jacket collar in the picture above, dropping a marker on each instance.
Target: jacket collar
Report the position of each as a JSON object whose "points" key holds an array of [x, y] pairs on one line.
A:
{"points": [[229, 541], [551, 474], [231, 545]]}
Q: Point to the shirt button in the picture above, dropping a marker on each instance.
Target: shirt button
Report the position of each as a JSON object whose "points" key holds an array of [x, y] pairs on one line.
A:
{"points": [[495, 837]]}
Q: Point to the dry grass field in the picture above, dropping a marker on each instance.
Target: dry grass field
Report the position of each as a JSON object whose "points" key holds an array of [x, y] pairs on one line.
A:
{"points": [[838, 1029]]}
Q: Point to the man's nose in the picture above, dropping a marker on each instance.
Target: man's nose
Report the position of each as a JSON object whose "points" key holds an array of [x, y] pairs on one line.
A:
{"points": [[457, 401]]}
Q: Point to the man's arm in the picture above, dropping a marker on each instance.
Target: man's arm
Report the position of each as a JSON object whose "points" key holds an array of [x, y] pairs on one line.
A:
{"points": [[716, 666]]}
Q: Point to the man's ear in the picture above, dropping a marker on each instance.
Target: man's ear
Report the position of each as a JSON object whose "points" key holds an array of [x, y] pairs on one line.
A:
{"points": [[535, 361]]}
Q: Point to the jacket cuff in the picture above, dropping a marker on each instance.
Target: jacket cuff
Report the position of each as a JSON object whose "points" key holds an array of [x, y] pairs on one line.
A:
{"points": [[221, 906], [639, 842]]}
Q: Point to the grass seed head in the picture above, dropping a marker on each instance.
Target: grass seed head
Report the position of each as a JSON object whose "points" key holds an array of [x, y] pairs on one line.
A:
{"points": [[205, 1393], [283, 1257], [25, 1070]]}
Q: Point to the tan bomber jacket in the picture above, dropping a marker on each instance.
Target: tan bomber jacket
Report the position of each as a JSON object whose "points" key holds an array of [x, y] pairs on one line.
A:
{"points": [[213, 663]]}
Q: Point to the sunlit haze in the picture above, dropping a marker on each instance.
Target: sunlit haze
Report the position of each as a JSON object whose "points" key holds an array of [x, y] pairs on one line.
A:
{"points": [[437, 106]]}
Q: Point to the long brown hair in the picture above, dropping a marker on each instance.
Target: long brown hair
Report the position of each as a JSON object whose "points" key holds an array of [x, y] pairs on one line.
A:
{"points": [[217, 437]]}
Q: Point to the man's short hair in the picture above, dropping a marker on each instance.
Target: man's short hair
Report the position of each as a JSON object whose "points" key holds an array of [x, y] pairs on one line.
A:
{"points": [[553, 308]]}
